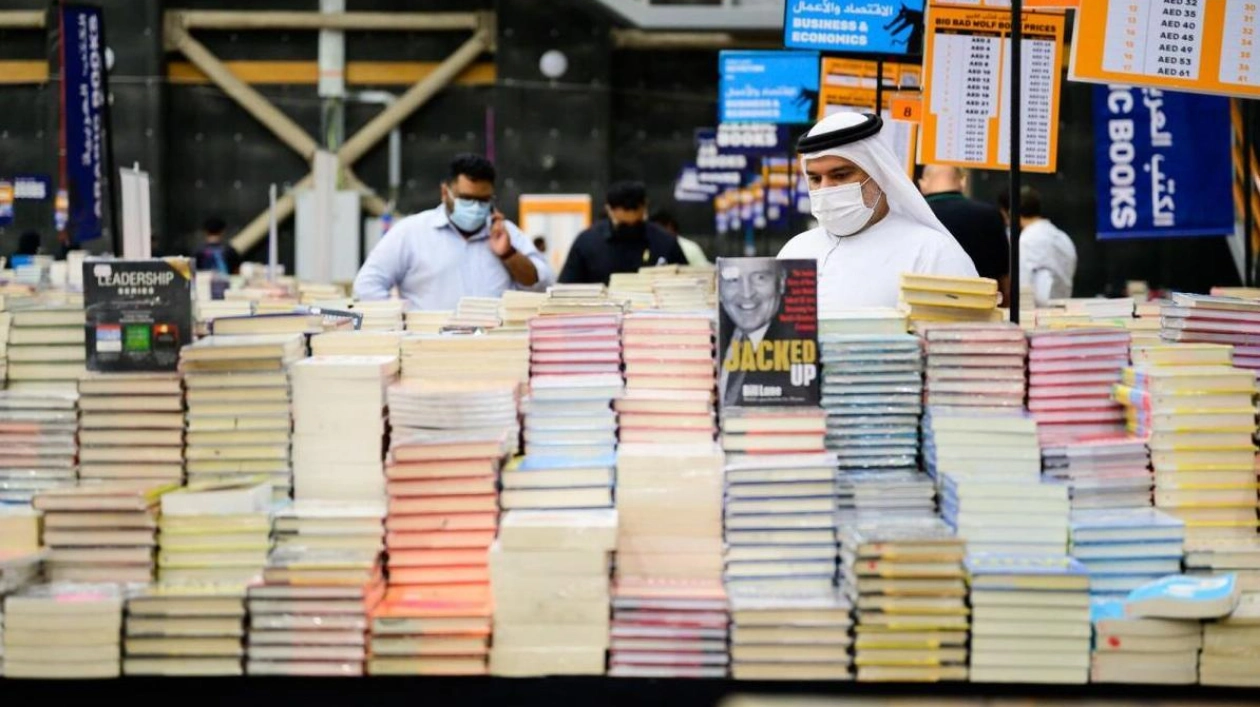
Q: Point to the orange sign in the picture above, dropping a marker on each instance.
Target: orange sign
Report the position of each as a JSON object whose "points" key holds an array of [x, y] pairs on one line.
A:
{"points": [[849, 85], [966, 94], [1205, 46], [906, 108]]}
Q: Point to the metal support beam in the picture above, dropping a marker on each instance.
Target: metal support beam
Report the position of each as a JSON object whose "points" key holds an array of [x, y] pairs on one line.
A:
{"points": [[346, 21], [22, 19], [639, 39]]}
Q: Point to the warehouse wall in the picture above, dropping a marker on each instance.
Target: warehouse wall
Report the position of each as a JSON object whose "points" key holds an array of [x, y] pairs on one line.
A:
{"points": [[616, 113]]}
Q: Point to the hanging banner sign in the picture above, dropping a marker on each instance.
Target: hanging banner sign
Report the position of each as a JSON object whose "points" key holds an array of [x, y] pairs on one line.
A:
{"points": [[32, 187], [850, 85], [889, 27], [966, 122], [83, 118], [1163, 163], [752, 139], [6, 203], [776, 173], [1203, 46], [767, 86], [688, 187]]}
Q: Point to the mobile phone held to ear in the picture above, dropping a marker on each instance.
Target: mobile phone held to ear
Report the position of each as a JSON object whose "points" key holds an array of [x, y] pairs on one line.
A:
{"points": [[494, 209]]}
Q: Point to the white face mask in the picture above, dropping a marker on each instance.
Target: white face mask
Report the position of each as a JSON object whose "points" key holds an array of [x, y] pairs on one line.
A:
{"points": [[841, 210]]}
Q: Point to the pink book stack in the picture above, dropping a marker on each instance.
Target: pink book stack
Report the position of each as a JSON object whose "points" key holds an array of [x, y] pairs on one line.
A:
{"points": [[1206, 319], [1070, 377], [975, 365]]}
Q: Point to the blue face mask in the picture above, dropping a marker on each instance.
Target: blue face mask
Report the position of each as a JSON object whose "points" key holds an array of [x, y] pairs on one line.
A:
{"points": [[469, 215]]}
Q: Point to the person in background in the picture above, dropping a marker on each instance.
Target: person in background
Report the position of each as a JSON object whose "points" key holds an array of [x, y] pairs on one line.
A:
{"points": [[1047, 256], [978, 227], [28, 243], [540, 242], [625, 242], [692, 250], [463, 247], [873, 223], [216, 255]]}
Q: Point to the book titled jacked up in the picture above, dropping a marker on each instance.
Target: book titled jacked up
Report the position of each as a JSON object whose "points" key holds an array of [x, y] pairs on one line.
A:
{"points": [[138, 313], [768, 332]]}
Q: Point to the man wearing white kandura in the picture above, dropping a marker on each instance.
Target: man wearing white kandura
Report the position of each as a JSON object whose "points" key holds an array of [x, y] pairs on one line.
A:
{"points": [[462, 248], [874, 224]]}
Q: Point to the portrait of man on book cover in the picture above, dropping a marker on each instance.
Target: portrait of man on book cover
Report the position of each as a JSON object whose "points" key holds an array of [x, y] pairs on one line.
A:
{"points": [[768, 332]]}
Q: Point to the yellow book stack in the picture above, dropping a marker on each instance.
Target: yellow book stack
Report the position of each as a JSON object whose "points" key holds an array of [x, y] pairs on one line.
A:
{"points": [[951, 299]]}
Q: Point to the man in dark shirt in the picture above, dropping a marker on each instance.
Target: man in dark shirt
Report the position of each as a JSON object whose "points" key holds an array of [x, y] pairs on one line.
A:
{"points": [[216, 255], [978, 227], [623, 243]]}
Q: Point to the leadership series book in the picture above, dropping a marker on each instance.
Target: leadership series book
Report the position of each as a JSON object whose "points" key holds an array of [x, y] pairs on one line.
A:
{"points": [[138, 313]]}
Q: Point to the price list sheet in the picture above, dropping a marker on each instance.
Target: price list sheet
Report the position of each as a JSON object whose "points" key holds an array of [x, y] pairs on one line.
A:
{"points": [[1205, 46], [966, 108]]}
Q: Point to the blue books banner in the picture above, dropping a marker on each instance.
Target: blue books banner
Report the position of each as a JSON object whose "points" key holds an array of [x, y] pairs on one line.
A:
{"points": [[767, 86], [1163, 163], [83, 118], [887, 27]]}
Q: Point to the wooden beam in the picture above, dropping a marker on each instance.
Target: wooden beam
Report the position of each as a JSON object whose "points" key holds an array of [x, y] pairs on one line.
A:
{"points": [[302, 73], [23, 72], [22, 19], [346, 21]]}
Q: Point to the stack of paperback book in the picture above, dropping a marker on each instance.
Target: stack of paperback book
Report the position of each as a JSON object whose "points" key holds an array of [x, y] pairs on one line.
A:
{"points": [[331, 525], [998, 444], [62, 630], [551, 591], [384, 315], [215, 532], [458, 355], [131, 427], [1199, 422], [634, 289], [975, 365], [104, 532], [1215, 320], [1108, 472], [580, 299], [1030, 621], [193, 629], [517, 307], [477, 312], [805, 637], [865, 321], [669, 629], [20, 527], [46, 350], [310, 614], [668, 352], [872, 391], [1230, 645], [358, 343], [429, 631], [38, 447], [18, 569], [780, 531], [206, 310], [1019, 517], [906, 579], [1237, 556], [443, 506], [1076, 369], [426, 321], [339, 426], [239, 418], [1126, 548], [934, 298], [877, 493], [1142, 651]]}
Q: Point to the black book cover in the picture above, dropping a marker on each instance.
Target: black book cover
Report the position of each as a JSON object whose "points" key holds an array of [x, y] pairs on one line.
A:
{"points": [[139, 313]]}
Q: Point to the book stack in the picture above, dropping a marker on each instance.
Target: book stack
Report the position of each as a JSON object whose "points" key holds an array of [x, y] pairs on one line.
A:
{"points": [[1230, 645], [426, 321], [19, 568], [6, 322], [580, 299], [131, 427], [425, 631], [1215, 320], [63, 630], [865, 321], [443, 498], [1199, 422], [331, 525], [465, 409], [1030, 619], [357, 343], [456, 356], [668, 352], [1181, 354], [934, 298], [1109, 472], [215, 533], [805, 637], [975, 365], [1142, 651], [1237, 556], [239, 417], [1075, 370], [1126, 548], [877, 493], [477, 313], [1017, 517], [549, 575], [780, 528], [100, 533], [906, 579], [38, 446], [383, 315], [683, 292], [205, 311], [339, 426], [194, 629], [46, 351], [872, 390], [310, 614], [998, 444], [669, 629], [20, 527], [285, 321], [517, 307], [569, 412], [634, 289]]}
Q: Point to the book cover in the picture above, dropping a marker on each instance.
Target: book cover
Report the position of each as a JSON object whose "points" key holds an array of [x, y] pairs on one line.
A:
{"points": [[768, 332], [138, 313]]}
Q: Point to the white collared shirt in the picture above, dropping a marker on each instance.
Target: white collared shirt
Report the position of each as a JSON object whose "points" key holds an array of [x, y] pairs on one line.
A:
{"points": [[433, 265]]}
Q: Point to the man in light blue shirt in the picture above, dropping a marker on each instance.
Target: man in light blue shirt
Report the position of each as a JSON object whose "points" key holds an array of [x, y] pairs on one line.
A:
{"points": [[462, 248]]}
